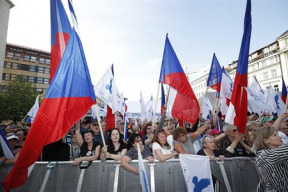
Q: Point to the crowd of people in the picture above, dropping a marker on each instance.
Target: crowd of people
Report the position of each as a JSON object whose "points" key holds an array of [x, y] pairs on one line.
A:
{"points": [[265, 138]]}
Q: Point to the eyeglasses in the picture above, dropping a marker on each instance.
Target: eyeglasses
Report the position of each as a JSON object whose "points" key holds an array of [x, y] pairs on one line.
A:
{"points": [[234, 130]]}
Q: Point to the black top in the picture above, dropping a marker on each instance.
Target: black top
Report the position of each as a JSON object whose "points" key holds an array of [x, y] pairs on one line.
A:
{"points": [[116, 152], [84, 152], [201, 152]]}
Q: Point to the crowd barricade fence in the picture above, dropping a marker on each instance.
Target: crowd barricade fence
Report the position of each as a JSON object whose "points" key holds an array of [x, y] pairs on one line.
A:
{"points": [[100, 176]]}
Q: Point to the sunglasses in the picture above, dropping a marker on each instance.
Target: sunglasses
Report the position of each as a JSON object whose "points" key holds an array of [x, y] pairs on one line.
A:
{"points": [[234, 130]]}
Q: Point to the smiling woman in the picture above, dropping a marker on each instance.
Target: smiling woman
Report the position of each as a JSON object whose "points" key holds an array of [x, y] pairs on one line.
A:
{"points": [[271, 160]]}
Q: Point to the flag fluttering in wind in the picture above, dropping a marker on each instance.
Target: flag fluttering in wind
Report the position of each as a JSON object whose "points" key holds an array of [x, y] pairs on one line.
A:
{"points": [[142, 173], [207, 109], [284, 91], [185, 106], [215, 75], [275, 102], [142, 107], [149, 109], [33, 111], [60, 34], [107, 91], [225, 91], [68, 98], [237, 112]]}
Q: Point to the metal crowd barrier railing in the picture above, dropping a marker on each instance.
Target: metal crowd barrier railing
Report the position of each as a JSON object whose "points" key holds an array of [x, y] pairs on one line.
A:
{"points": [[235, 174]]}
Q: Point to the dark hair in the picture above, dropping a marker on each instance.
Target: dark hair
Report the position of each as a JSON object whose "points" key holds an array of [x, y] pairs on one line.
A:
{"points": [[132, 138], [88, 131], [110, 143], [145, 130], [177, 132]]}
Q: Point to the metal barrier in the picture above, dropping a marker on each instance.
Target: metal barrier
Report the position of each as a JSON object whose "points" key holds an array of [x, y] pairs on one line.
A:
{"points": [[241, 173]]}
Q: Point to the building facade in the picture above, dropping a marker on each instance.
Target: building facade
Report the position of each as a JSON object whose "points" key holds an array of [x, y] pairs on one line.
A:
{"points": [[33, 64], [5, 6], [269, 64]]}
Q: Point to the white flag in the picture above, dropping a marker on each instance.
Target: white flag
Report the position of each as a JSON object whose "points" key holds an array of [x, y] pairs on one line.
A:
{"points": [[149, 109], [197, 172], [107, 91], [33, 111], [102, 112], [275, 101], [142, 107], [121, 104], [256, 102], [225, 92], [207, 109], [142, 173]]}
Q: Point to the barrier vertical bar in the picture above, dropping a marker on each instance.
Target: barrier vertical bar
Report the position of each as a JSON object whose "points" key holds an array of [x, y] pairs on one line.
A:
{"points": [[152, 176], [50, 166], [116, 177], [220, 163], [84, 165]]}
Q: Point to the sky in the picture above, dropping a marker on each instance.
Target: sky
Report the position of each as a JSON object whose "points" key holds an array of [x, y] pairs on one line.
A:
{"points": [[131, 34]]}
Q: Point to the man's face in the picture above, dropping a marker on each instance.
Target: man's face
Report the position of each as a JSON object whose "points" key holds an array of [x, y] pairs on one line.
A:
{"points": [[137, 140]]}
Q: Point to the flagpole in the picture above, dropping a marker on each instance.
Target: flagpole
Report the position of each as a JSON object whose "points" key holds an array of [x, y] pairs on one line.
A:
{"points": [[161, 123], [99, 123], [23, 118], [153, 122]]}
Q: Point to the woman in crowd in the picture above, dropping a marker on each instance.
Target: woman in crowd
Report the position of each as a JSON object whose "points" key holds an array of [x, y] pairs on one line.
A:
{"points": [[271, 160], [21, 133], [161, 149], [208, 148], [184, 143], [89, 150], [115, 148]]}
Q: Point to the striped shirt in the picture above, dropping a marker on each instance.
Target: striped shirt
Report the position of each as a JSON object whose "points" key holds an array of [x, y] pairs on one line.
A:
{"points": [[272, 166]]}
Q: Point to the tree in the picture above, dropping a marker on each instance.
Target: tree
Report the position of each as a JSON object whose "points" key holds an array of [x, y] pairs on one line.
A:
{"points": [[17, 100]]}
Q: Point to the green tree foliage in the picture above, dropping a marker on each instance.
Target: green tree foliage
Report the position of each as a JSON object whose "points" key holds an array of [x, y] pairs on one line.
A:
{"points": [[17, 100]]}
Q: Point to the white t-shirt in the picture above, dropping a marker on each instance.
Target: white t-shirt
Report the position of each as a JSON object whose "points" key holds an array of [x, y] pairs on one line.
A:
{"points": [[164, 151]]}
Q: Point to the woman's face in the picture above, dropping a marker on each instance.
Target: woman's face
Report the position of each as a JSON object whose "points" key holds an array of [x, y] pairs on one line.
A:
{"points": [[251, 136], [115, 136], [20, 135], [88, 137], [182, 138], [209, 144], [162, 138], [274, 141]]}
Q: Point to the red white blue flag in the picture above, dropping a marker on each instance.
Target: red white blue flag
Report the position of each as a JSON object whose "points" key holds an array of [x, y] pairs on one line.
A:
{"points": [[237, 112], [69, 97], [186, 106], [60, 34], [215, 76]]}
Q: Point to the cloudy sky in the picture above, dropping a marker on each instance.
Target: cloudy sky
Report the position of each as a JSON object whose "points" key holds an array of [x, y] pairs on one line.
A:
{"points": [[131, 34]]}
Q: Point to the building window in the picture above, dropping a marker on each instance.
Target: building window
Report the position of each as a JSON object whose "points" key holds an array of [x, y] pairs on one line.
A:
{"points": [[41, 60], [265, 75], [23, 67], [47, 61], [273, 73], [32, 68], [14, 65], [46, 70], [46, 81], [6, 76], [10, 54], [264, 64], [27, 57], [31, 79], [286, 40], [39, 90], [276, 88], [7, 65], [33, 58], [17, 56], [40, 69], [40, 80]]}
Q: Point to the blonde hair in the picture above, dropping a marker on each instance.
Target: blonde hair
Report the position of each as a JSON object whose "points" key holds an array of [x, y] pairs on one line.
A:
{"points": [[262, 134]]}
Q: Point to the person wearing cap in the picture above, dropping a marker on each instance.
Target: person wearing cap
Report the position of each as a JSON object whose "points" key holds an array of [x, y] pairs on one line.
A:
{"points": [[97, 135], [12, 139]]}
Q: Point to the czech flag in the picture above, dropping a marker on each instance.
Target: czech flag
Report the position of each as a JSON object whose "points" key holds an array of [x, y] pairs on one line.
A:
{"points": [[215, 76], [69, 97], [60, 34], [185, 106], [237, 112]]}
